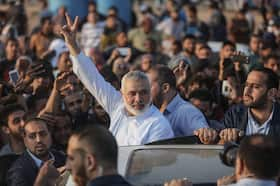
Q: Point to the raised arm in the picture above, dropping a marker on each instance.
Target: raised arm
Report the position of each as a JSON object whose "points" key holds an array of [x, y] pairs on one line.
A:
{"points": [[86, 71], [54, 102]]}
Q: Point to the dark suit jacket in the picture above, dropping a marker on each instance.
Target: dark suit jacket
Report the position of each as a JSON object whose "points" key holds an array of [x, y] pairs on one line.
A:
{"points": [[237, 117], [112, 180], [5, 163], [24, 171]]}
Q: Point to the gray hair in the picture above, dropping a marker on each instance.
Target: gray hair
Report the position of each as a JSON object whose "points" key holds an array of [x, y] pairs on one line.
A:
{"points": [[136, 76]]}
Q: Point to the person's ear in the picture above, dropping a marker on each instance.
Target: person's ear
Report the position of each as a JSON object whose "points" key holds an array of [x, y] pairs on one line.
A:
{"points": [[91, 162], [6, 130], [272, 94], [165, 87]]}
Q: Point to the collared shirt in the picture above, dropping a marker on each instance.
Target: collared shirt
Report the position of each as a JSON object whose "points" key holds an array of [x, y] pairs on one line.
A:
{"points": [[37, 161], [255, 182], [184, 117], [144, 128], [253, 127]]}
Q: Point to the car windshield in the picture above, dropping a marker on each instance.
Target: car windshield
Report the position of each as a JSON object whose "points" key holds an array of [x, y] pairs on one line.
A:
{"points": [[155, 166]]}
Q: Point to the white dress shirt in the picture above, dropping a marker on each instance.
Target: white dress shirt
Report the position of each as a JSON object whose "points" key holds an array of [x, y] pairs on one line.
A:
{"points": [[128, 130]]}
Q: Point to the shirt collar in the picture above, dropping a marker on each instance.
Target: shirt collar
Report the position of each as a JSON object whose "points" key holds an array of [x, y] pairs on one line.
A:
{"points": [[172, 105], [266, 122], [256, 182], [37, 161]]}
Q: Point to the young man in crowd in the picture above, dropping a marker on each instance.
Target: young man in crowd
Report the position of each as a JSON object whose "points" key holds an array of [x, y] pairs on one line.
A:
{"points": [[8, 63], [92, 158], [12, 121], [257, 162], [36, 166], [40, 41], [259, 113], [185, 119]]}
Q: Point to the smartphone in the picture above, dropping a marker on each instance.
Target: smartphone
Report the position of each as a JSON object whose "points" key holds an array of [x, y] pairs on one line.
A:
{"points": [[226, 88], [240, 58], [14, 76], [123, 51]]}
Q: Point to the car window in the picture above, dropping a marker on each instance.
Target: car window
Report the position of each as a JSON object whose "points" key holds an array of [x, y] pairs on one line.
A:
{"points": [[155, 166]]}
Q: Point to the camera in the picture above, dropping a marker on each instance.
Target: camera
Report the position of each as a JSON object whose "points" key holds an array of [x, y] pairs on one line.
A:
{"points": [[229, 154]]}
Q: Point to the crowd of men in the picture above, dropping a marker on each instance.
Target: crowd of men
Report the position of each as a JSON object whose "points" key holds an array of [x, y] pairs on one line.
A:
{"points": [[155, 79]]}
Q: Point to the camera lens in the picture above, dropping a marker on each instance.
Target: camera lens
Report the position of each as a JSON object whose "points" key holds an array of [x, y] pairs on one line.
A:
{"points": [[228, 155]]}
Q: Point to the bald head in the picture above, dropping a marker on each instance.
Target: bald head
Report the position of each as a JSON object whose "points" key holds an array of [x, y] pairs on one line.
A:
{"points": [[99, 141]]}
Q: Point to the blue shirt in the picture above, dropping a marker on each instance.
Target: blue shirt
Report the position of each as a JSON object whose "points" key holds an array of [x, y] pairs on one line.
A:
{"points": [[254, 127], [184, 117], [37, 161], [254, 182]]}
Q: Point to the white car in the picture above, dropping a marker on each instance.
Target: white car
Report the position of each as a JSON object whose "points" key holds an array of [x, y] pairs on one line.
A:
{"points": [[155, 164]]}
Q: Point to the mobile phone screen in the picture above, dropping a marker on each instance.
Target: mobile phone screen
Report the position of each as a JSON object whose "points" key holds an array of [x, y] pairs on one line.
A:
{"points": [[14, 77], [123, 51], [226, 88]]}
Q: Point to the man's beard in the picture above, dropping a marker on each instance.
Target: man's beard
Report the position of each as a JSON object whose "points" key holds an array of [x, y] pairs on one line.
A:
{"points": [[42, 152], [260, 103], [80, 178], [158, 100], [190, 52], [17, 135], [135, 112], [77, 113]]}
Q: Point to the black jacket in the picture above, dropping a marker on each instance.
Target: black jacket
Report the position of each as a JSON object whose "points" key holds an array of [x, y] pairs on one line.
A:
{"points": [[24, 171], [237, 117], [114, 180]]}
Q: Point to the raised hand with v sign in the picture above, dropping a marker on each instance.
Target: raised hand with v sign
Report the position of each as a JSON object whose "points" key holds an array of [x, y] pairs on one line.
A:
{"points": [[69, 33]]}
